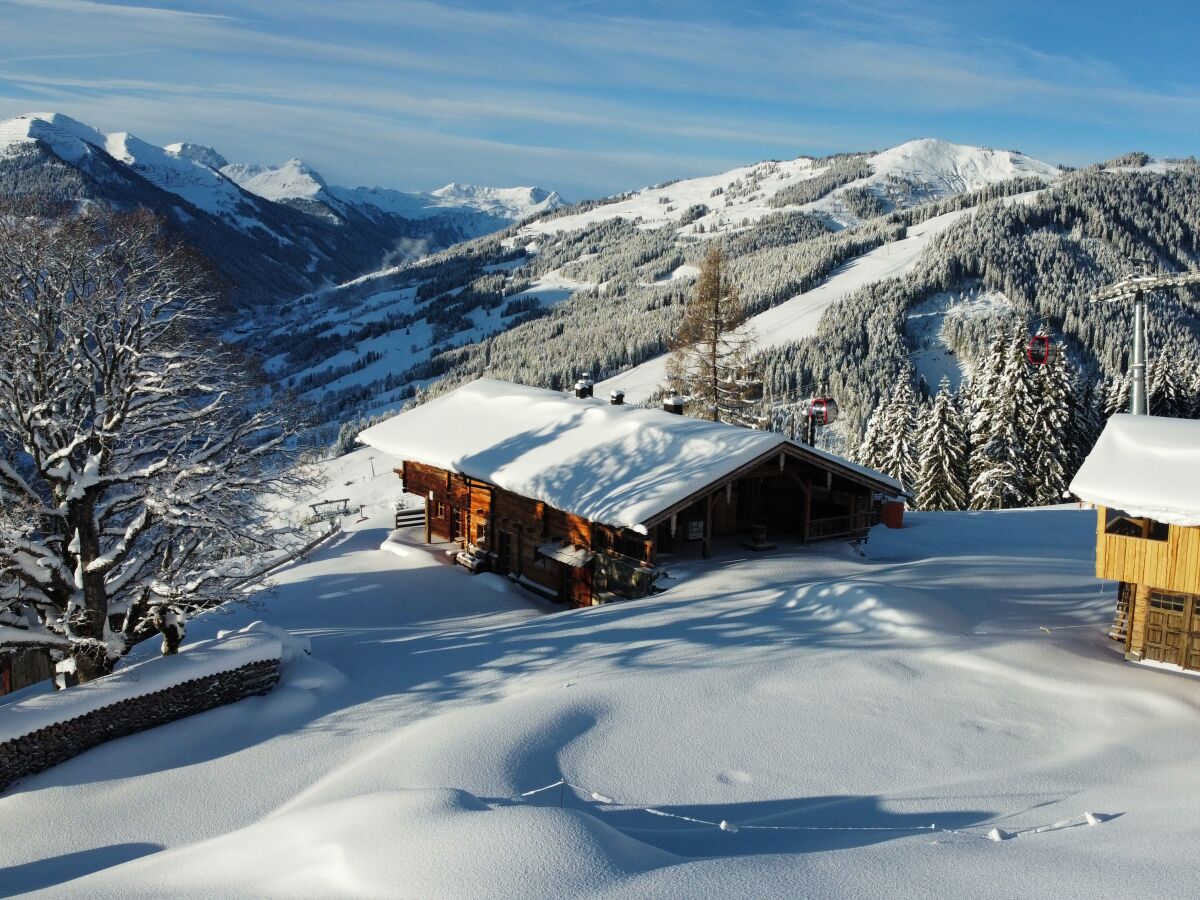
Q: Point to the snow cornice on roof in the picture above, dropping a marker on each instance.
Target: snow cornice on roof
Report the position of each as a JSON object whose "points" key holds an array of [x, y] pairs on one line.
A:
{"points": [[622, 466], [1148, 466]]}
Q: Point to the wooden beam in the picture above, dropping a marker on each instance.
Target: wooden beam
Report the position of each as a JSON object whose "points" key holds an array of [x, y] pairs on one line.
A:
{"points": [[807, 507], [428, 523], [708, 505]]}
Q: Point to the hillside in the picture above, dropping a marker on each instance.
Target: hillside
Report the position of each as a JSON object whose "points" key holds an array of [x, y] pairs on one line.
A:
{"points": [[860, 725], [591, 287]]}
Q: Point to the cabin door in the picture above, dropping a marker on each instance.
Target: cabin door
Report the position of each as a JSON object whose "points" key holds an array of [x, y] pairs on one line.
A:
{"points": [[581, 585], [1173, 629]]}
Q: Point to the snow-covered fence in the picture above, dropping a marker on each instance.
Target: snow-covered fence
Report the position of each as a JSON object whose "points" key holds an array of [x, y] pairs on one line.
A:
{"points": [[47, 729]]}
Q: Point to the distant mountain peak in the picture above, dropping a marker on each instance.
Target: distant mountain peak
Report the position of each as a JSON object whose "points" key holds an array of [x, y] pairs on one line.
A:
{"points": [[293, 179], [200, 153]]}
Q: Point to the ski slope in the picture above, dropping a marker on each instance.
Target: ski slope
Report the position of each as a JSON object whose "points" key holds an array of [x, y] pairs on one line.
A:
{"points": [[806, 722], [798, 317]]}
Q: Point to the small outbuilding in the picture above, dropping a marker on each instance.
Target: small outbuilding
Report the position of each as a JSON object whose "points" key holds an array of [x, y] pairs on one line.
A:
{"points": [[582, 497], [1143, 475]]}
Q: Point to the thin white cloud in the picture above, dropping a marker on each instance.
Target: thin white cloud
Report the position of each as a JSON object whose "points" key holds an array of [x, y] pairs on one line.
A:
{"points": [[95, 7]]}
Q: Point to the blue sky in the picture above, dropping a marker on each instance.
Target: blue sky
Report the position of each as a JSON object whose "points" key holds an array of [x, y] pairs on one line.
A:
{"points": [[596, 97]]}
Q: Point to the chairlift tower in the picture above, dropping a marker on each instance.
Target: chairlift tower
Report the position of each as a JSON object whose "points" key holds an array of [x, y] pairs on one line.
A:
{"points": [[1136, 287]]}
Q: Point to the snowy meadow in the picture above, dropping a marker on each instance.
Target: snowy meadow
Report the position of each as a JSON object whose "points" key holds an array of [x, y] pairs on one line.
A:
{"points": [[932, 718]]}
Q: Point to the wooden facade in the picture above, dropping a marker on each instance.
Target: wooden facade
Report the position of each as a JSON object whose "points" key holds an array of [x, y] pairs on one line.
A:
{"points": [[22, 668], [789, 491], [1158, 600]]}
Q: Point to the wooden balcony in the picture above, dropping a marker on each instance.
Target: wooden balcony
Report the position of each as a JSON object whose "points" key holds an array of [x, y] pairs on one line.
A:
{"points": [[1173, 564]]}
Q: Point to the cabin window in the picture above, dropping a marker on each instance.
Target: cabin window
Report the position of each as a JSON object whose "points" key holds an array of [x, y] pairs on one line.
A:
{"points": [[440, 510], [480, 533], [1119, 522], [1168, 602]]}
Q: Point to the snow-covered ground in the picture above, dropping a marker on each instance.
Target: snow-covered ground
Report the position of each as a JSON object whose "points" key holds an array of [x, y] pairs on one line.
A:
{"points": [[798, 317], [828, 708]]}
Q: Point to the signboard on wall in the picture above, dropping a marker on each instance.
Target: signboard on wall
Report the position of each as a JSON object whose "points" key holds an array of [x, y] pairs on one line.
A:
{"points": [[695, 530]]}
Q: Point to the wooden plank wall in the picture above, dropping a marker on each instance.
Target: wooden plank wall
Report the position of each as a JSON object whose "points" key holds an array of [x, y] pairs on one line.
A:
{"points": [[1171, 565]]}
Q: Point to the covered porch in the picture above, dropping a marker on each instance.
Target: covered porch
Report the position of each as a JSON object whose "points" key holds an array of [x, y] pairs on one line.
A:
{"points": [[792, 494]]}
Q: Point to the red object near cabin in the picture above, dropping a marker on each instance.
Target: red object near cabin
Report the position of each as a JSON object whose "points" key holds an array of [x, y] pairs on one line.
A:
{"points": [[1040, 350], [823, 410], [892, 514]]}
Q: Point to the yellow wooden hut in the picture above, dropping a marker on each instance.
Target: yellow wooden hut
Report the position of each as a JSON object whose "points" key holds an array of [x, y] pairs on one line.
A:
{"points": [[1143, 476]]}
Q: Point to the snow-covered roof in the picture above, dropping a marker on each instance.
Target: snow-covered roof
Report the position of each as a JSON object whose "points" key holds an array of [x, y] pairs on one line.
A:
{"points": [[568, 554], [1146, 465], [617, 465]]}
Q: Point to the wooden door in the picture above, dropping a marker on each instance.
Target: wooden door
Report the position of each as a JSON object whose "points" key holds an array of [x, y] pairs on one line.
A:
{"points": [[504, 551], [1167, 619], [1191, 652], [581, 586]]}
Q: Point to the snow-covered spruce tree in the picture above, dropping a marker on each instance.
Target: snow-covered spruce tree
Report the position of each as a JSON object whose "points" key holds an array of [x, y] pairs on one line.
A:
{"points": [[1052, 441], [897, 433], [1116, 395], [130, 463], [870, 451], [1000, 476], [1166, 396], [711, 362], [941, 479]]}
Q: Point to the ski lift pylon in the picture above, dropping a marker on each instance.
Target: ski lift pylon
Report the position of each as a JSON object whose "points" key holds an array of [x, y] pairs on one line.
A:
{"points": [[1040, 350]]}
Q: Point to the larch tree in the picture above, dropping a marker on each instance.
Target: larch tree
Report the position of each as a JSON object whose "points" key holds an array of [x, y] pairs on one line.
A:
{"points": [[133, 462], [711, 363], [941, 482]]}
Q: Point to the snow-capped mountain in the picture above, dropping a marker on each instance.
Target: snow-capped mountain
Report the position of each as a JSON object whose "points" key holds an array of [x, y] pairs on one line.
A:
{"points": [[479, 210], [273, 232]]}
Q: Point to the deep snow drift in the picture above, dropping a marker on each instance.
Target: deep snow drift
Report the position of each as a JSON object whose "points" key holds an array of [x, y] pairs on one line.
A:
{"points": [[827, 708]]}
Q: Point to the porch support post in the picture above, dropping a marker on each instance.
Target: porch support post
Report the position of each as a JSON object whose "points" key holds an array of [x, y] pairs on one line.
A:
{"points": [[428, 524], [807, 506], [708, 516]]}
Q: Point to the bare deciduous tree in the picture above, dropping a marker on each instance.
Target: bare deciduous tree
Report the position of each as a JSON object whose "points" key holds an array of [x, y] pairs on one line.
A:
{"points": [[132, 462]]}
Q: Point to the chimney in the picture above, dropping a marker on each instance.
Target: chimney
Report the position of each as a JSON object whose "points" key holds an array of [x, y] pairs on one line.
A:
{"points": [[673, 404], [583, 387], [617, 397]]}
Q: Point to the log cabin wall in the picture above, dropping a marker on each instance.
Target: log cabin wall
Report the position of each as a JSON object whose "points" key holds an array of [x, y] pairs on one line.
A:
{"points": [[459, 508], [504, 523]]}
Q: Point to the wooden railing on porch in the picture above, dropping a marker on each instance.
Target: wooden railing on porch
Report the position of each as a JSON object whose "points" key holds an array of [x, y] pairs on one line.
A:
{"points": [[839, 526]]}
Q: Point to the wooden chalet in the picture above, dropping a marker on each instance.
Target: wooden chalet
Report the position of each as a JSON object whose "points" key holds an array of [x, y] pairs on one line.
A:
{"points": [[583, 498], [1144, 478]]}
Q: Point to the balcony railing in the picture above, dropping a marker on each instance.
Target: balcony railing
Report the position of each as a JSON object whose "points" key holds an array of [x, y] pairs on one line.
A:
{"points": [[837, 526]]}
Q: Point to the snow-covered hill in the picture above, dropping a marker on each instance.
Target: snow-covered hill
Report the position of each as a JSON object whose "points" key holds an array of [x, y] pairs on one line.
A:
{"points": [[806, 722], [375, 340], [907, 175]]}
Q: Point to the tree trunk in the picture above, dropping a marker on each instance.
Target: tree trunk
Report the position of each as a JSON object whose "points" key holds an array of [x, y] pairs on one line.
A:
{"points": [[90, 664]]}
